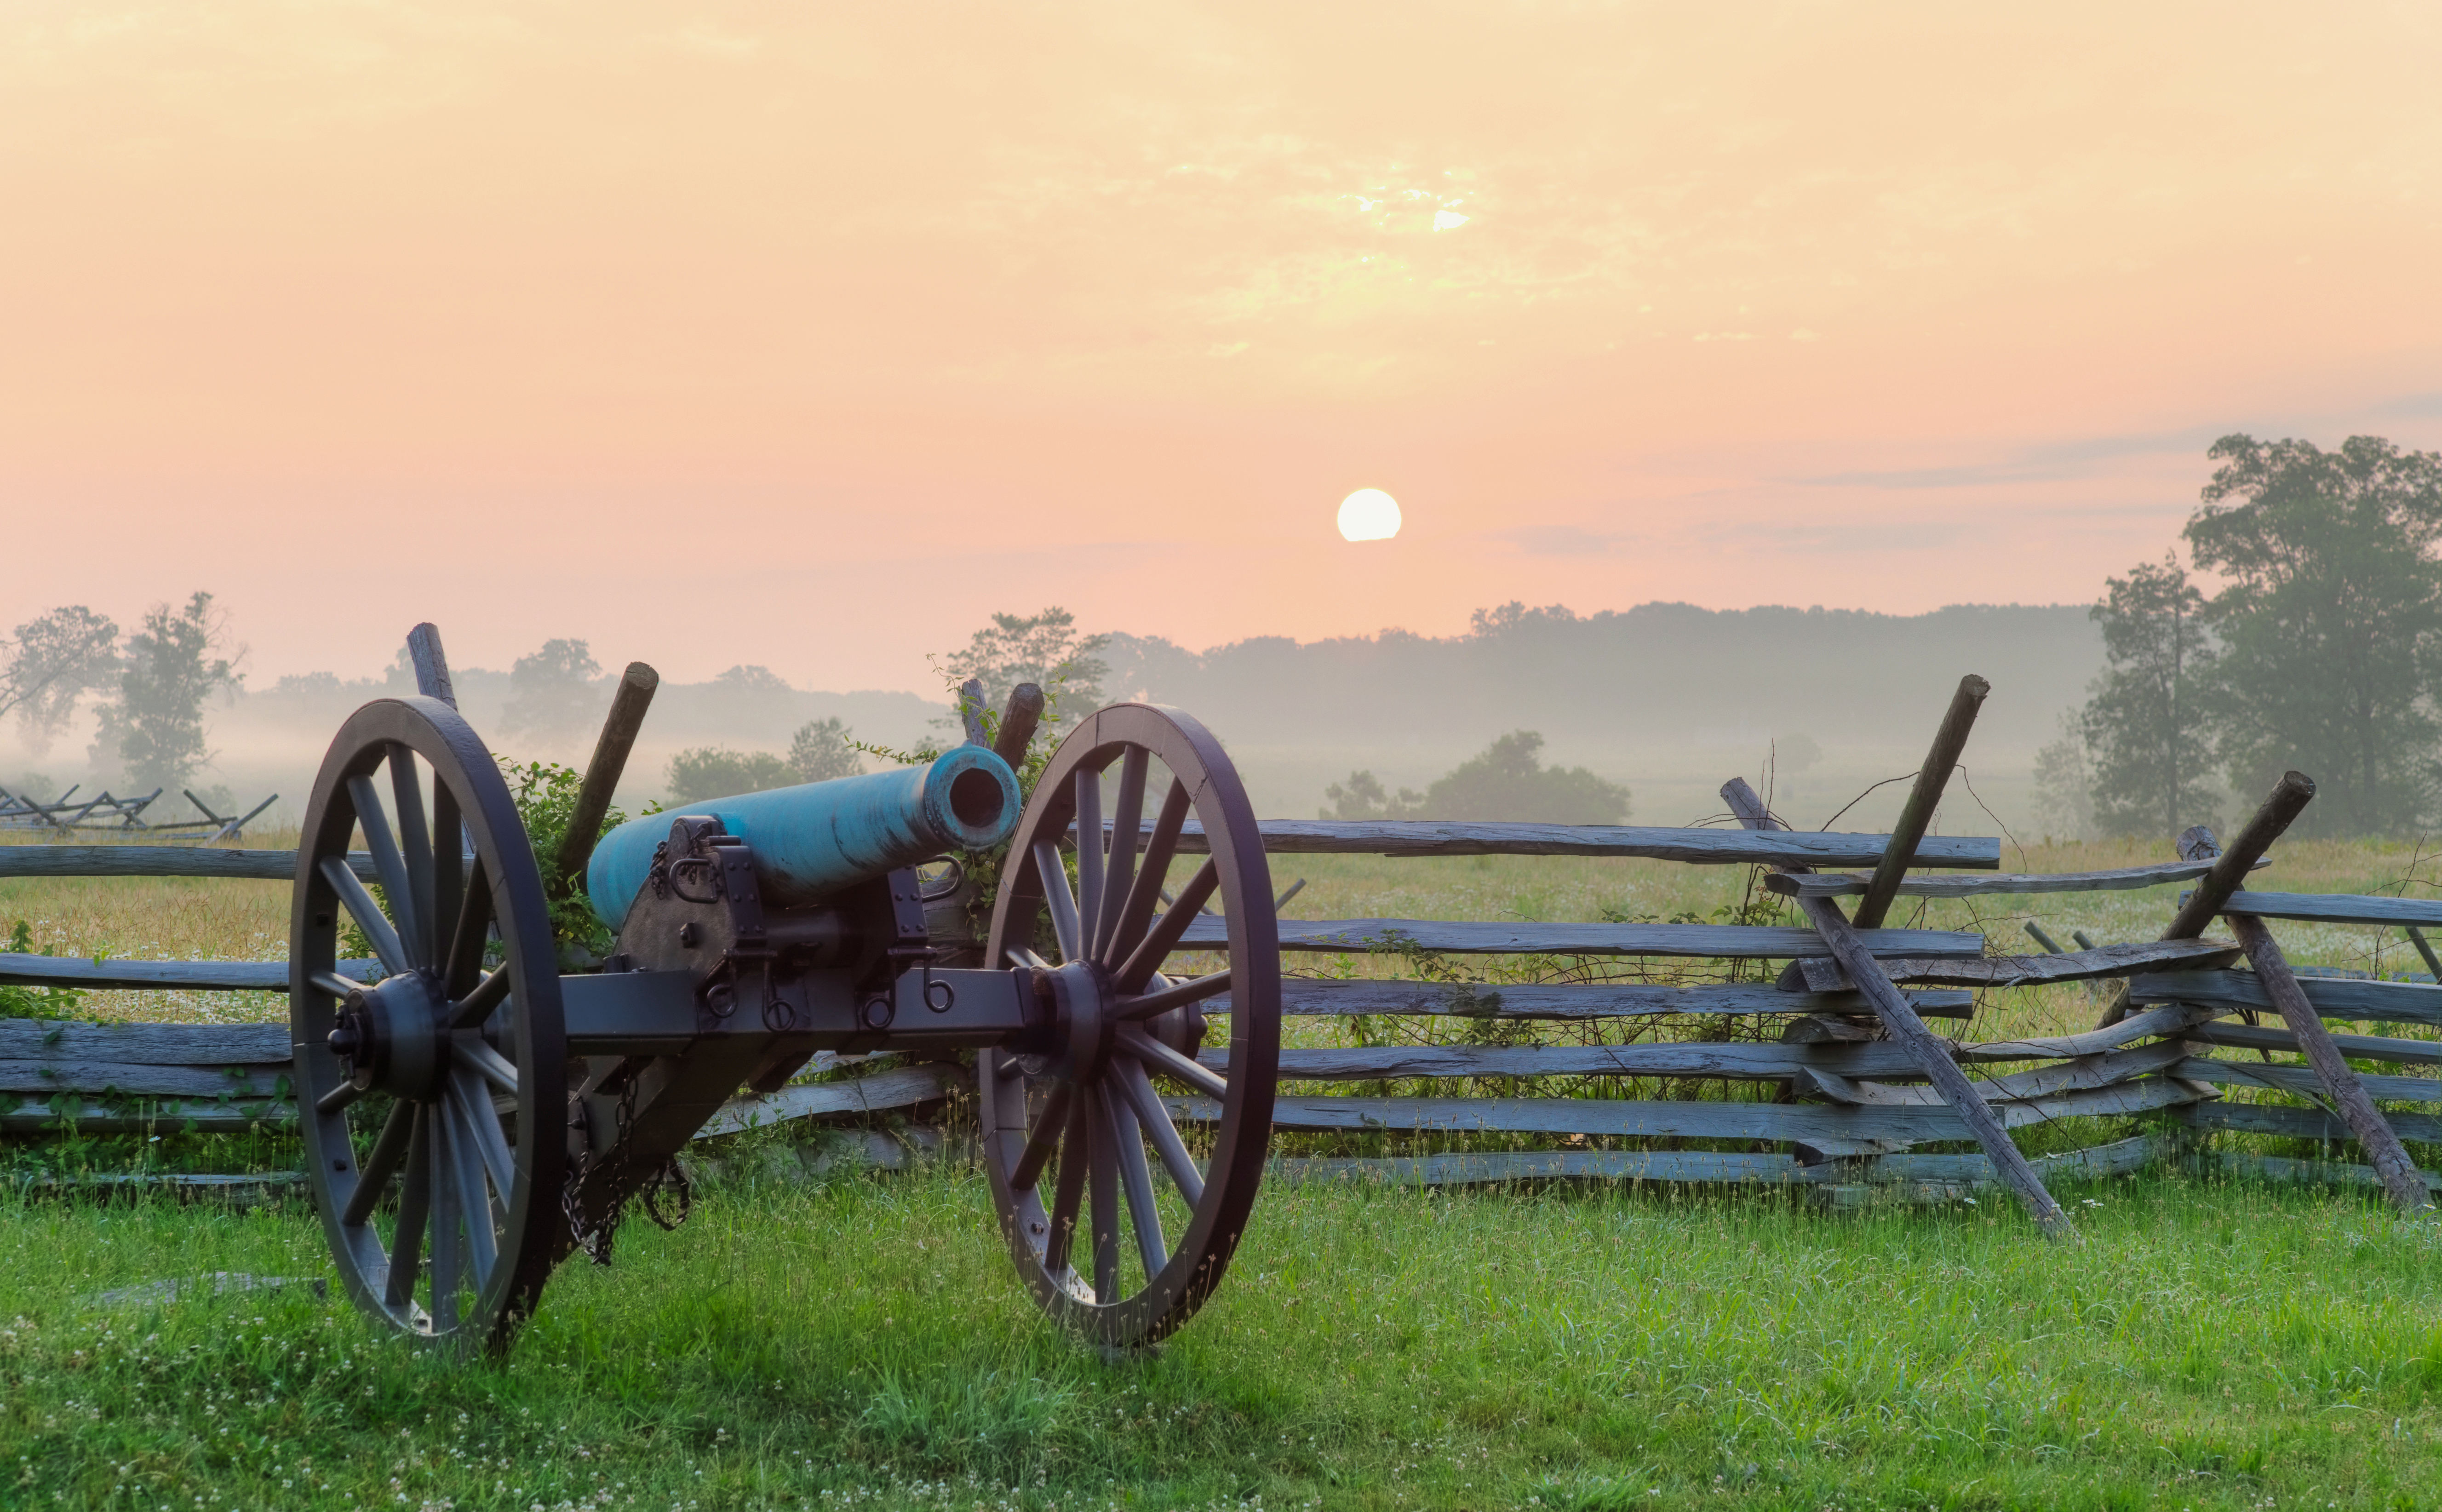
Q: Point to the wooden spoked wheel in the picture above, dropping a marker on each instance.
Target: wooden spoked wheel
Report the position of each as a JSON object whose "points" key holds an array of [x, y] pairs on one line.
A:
{"points": [[1074, 1117], [433, 1099]]}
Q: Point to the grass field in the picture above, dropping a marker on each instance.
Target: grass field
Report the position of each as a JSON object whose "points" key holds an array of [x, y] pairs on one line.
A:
{"points": [[861, 1341]]}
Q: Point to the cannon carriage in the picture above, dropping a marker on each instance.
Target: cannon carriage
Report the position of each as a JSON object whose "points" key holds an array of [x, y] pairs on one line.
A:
{"points": [[473, 1115]]}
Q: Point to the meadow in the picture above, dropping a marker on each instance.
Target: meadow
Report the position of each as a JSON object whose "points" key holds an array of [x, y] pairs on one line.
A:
{"points": [[858, 1339]]}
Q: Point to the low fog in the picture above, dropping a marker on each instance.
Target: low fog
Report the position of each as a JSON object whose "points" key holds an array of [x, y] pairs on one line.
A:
{"points": [[1668, 700]]}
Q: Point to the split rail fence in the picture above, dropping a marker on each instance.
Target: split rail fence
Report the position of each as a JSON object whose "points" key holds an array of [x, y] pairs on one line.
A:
{"points": [[1818, 1033]]}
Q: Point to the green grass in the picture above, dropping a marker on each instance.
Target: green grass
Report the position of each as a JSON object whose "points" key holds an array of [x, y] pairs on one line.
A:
{"points": [[862, 1344]]}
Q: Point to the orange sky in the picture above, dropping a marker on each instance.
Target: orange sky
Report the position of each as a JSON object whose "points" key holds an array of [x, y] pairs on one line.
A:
{"points": [[810, 335]]}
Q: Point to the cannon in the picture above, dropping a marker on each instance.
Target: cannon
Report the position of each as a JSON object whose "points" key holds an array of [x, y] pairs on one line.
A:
{"points": [[473, 1114]]}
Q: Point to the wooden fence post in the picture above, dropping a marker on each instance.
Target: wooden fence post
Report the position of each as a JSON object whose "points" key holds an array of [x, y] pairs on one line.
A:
{"points": [[1931, 1056], [2390, 1159], [619, 727], [2288, 797], [1923, 797], [432, 666]]}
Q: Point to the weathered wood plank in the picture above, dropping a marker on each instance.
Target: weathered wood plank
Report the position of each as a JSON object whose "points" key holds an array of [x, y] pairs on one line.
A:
{"points": [[1740, 1061], [2360, 1047], [41, 1115], [1313, 997], [2172, 1019], [1800, 1122], [27, 1039], [2331, 997], [2085, 1071], [163, 861], [1703, 1166], [1725, 848], [1842, 884], [2030, 971], [196, 976], [873, 1093], [94, 1077], [2301, 1081], [2303, 1123], [2275, 1168], [2331, 908], [1360, 936]]}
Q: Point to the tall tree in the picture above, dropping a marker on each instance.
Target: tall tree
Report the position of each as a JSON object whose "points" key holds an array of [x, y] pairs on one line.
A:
{"points": [[2148, 737], [154, 721], [52, 661], [552, 691], [1043, 648], [2331, 622]]}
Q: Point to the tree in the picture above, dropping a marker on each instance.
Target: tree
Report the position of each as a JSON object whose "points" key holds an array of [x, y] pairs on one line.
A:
{"points": [[2149, 739], [716, 771], [153, 722], [824, 750], [1508, 780], [2330, 625], [1362, 796], [552, 690], [2064, 791], [1044, 650], [50, 664]]}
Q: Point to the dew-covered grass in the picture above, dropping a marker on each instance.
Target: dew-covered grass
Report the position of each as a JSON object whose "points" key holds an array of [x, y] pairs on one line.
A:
{"points": [[862, 1342]]}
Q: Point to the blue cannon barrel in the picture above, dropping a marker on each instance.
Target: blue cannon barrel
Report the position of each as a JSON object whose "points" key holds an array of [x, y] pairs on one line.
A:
{"points": [[814, 840]]}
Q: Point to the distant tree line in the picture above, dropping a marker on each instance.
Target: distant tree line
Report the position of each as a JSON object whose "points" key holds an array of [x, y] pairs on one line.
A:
{"points": [[2321, 651]]}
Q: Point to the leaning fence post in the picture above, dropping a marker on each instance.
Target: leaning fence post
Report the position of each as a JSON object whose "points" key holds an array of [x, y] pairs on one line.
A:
{"points": [[1931, 1055], [432, 666], [2282, 805], [2383, 1149], [619, 727], [1916, 815]]}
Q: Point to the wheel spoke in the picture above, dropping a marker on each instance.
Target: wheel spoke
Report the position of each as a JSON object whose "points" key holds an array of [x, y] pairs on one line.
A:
{"points": [[1119, 872], [1146, 891], [1020, 956], [1135, 1180], [389, 1149], [467, 1168], [1153, 1004], [1089, 856], [366, 914], [1159, 1057], [477, 1006], [415, 848], [335, 984], [388, 862], [443, 1152], [1067, 1191], [1062, 902], [449, 875], [1164, 935], [415, 1207], [1043, 1142], [1155, 1118], [474, 915], [1102, 1161], [485, 1062], [337, 1098]]}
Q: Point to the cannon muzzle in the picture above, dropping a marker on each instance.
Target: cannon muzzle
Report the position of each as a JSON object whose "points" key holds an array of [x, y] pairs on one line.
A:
{"points": [[813, 841]]}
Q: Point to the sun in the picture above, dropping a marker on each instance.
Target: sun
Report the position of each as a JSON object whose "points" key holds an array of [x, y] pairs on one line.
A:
{"points": [[1368, 513]]}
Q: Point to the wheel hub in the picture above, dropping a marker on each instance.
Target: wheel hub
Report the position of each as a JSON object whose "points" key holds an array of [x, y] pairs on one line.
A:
{"points": [[1081, 1025], [390, 1038]]}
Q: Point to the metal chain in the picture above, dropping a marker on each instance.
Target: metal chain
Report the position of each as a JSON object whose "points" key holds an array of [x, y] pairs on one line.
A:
{"points": [[672, 1176], [591, 1235]]}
